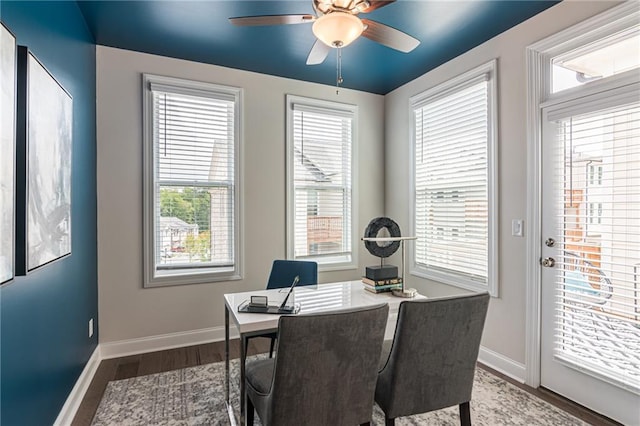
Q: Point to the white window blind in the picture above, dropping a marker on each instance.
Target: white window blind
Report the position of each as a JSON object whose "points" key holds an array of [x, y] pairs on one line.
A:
{"points": [[452, 180], [598, 273], [320, 174], [194, 180]]}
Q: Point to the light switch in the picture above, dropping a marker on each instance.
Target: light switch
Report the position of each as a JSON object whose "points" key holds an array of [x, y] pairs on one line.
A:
{"points": [[517, 227]]}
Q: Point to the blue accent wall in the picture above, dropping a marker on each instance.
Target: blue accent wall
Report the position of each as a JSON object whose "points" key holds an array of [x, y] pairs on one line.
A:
{"points": [[44, 343]]}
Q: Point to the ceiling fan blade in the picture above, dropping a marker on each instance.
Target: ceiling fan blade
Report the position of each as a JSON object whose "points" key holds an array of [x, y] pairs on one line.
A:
{"points": [[247, 21], [389, 36], [318, 53], [376, 4]]}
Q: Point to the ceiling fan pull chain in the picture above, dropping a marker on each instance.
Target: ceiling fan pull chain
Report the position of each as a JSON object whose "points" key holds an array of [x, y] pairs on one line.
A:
{"points": [[338, 69]]}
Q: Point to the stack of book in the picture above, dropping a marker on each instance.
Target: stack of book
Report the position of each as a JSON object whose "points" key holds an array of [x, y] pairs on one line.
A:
{"points": [[381, 286]]}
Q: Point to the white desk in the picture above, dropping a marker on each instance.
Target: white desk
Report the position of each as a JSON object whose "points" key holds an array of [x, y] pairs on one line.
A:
{"points": [[320, 298]]}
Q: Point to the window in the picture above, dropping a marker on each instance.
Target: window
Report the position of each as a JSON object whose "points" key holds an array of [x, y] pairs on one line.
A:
{"points": [[595, 175], [612, 55], [595, 213], [454, 191], [191, 189], [320, 183]]}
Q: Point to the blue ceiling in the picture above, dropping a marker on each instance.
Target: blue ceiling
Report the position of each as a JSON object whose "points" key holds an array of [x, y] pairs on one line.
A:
{"points": [[199, 31]]}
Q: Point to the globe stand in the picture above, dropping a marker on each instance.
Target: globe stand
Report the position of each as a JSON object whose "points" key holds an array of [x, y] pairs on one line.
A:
{"points": [[400, 292]]}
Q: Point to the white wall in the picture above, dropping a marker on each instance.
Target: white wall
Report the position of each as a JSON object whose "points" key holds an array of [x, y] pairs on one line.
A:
{"points": [[505, 328], [128, 311]]}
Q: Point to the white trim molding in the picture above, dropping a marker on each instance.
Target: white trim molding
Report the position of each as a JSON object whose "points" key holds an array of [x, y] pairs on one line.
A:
{"points": [[165, 341], [534, 144], [71, 405], [504, 365]]}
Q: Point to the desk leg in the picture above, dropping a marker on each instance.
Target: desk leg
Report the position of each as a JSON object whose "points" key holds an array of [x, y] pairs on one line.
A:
{"points": [[232, 417], [243, 390], [226, 353]]}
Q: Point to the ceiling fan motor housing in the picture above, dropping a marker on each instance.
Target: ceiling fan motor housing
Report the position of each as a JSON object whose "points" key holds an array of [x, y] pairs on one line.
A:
{"points": [[322, 7]]}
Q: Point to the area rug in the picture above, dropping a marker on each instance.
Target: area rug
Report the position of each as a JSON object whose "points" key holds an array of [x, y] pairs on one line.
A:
{"points": [[195, 396]]}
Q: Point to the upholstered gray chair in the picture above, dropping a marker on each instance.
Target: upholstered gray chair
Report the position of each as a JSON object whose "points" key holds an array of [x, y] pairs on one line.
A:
{"points": [[324, 371], [432, 359]]}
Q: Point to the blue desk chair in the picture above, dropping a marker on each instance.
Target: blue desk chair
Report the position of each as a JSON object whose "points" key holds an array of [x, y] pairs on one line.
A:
{"points": [[284, 271], [282, 274]]}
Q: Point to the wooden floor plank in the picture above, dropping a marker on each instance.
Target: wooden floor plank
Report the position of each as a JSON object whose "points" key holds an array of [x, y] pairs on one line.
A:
{"points": [[174, 359], [210, 352], [258, 345], [151, 363], [234, 349], [127, 370]]}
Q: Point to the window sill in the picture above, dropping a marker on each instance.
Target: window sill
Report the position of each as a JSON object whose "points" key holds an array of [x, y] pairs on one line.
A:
{"points": [[335, 267], [181, 278], [455, 281], [335, 263]]}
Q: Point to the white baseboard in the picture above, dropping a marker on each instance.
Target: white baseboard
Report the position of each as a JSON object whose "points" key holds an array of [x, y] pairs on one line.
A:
{"points": [[71, 405], [504, 365], [164, 341]]}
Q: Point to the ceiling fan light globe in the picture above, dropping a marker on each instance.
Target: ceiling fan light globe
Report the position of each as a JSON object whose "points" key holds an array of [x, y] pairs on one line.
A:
{"points": [[337, 29]]}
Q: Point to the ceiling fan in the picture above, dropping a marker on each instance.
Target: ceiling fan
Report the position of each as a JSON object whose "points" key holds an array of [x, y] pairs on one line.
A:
{"points": [[336, 25]]}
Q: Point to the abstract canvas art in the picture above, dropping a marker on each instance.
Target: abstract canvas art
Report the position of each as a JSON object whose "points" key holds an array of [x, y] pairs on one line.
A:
{"points": [[7, 151], [48, 142]]}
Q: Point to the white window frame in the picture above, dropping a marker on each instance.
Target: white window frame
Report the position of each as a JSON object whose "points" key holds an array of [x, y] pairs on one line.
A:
{"points": [[187, 275], [324, 264], [539, 58], [457, 83]]}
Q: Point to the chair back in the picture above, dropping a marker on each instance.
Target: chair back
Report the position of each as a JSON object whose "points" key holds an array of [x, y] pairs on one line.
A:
{"points": [[433, 356], [284, 271], [326, 367]]}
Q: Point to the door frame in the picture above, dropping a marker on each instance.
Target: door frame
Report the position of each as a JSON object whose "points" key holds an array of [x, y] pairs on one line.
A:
{"points": [[538, 60]]}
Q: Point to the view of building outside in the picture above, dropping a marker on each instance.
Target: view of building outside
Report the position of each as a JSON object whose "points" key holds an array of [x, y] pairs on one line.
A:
{"points": [[185, 225], [602, 205], [319, 213], [602, 181]]}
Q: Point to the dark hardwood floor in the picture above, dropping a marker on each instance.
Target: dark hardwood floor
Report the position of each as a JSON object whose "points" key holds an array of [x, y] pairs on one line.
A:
{"points": [[171, 359]]}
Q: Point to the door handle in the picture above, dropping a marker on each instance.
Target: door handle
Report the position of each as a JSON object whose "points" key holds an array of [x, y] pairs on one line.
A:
{"points": [[548, 262]]}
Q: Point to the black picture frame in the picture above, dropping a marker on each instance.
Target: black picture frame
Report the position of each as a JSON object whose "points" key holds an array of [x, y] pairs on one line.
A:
{"points": [[8, 82], [43, 162]]}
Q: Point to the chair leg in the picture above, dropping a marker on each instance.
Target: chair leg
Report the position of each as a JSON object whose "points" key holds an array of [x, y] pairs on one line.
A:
{"points": [[273, 345], [389, 422], [250, 412], [465, 414]]}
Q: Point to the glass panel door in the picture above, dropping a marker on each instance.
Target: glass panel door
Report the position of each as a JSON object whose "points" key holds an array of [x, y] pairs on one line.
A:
{"points": [[591, 283]]}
